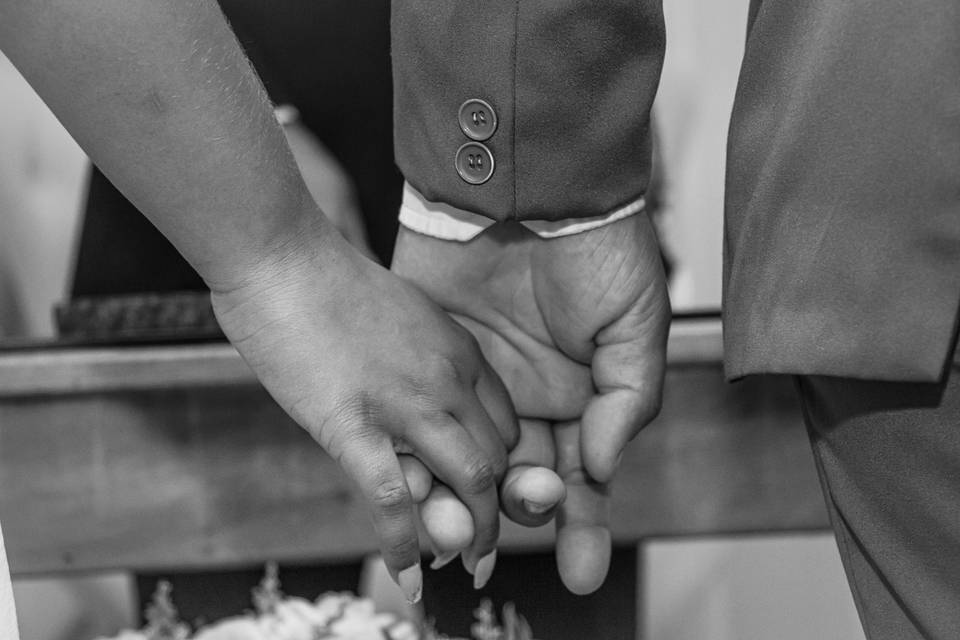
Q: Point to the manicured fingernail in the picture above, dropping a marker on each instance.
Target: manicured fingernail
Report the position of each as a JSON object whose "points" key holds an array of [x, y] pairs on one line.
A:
{"points": [[537, 508], [484, 569], [411, 583], [443, 559]]}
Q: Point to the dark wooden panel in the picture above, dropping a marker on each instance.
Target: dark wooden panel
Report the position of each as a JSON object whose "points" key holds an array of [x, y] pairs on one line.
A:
{"points": [[721, 458], [219, 476]]}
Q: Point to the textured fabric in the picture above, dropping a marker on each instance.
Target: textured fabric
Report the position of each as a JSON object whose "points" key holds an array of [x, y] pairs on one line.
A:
{"points": [[571, 83], [8, 614], [440, 220], [842, 240], [888, 455]]}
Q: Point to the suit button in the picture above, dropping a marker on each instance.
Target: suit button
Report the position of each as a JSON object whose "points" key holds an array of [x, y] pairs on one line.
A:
{"points": [[477, 119], [474, 163]]}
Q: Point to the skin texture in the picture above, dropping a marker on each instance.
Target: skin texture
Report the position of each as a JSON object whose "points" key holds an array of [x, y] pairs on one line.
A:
{"points": [[161, 97], [577, 328]]}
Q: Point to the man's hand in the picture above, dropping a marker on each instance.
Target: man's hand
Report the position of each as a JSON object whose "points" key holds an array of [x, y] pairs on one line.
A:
{"points": [[576, 327]]}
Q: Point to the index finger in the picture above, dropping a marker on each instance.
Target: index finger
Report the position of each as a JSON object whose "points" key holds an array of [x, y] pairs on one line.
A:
{"points": [[456, 459], [369, 459]]}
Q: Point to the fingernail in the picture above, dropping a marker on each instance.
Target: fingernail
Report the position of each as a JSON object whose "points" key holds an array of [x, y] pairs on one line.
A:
{"points": [[484, 569], [616, 465], [411, 583], [536, 507], [443, 559]]}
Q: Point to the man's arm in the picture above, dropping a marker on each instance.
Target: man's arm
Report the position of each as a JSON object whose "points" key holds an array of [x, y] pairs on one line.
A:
{"points": [[162, 99], [558, 92], [540, 111]]}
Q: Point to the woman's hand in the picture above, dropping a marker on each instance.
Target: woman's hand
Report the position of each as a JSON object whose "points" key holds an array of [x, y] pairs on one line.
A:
{"points": [[162, 98], [371, 367]]}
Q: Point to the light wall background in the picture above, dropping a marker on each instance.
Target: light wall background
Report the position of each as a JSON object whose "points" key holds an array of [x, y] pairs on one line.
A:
{"points": [[42, 172], [705, 40]]}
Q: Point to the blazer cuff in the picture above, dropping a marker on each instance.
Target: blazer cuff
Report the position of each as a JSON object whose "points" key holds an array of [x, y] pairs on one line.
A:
{"points": [[446, 222], [526, 110]]}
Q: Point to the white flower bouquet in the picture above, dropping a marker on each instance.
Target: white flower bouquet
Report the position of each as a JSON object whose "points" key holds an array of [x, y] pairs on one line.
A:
{"points": [[332, 616]]}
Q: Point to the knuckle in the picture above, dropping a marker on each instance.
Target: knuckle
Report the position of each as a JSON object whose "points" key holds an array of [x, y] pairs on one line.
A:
{"points": [[416, 386], [391, 497], [354, 408], [479, 477], [359, 406], [350, 416]]}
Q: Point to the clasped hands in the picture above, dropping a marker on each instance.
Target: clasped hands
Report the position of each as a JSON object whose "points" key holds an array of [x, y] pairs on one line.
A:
{"points": [[576, 328], [489, 364]]}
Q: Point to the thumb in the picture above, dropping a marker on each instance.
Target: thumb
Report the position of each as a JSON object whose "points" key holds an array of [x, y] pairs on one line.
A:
{"points": [[531, 490], [628, 370]]}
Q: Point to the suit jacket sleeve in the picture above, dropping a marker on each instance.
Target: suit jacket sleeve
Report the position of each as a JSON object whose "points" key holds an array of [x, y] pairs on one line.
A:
{"points": [[571, 83], [842, 235]]}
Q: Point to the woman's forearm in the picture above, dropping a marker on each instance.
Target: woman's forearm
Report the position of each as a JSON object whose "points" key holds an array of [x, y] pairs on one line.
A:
{"points": [[162, 98]]}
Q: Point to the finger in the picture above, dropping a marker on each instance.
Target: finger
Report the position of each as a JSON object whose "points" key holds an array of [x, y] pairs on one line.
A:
{"points": [[456, 459], [496, 401], [531, 490], [418, 477], [473, 417], [583, 534], [369, 459], [447, 521], [628, 370]]}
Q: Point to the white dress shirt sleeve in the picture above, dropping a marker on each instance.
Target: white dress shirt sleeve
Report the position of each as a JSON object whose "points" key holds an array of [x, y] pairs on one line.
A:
{"points": [[446, 222]]}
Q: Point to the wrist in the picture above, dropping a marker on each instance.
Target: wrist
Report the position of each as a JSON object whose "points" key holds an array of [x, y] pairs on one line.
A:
{"points": [[300, 236]]}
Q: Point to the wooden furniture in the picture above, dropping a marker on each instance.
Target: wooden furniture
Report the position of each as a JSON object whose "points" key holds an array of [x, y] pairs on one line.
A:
{"points": [[151, 457]]}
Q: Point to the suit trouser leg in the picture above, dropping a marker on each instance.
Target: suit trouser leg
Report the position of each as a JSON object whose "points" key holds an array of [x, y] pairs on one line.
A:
{"points": [[888, 456]]}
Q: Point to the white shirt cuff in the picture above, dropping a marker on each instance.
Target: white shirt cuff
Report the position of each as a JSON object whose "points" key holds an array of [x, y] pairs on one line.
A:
{"points": [[446, 222]]}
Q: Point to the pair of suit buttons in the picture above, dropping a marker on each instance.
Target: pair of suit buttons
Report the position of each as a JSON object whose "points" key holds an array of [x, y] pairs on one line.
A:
{"points": [[478, 121]]}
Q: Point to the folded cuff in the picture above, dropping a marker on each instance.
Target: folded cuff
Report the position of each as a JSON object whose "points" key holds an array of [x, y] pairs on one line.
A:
{"points": [[446, 222]]}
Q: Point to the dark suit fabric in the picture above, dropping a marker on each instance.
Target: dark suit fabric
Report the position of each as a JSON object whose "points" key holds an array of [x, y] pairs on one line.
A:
{"points": [[887, 455], [842, 240], [571, 82]]}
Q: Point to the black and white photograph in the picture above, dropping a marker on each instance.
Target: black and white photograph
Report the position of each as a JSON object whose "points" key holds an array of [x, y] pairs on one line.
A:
{"points": [[479, 320]]}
